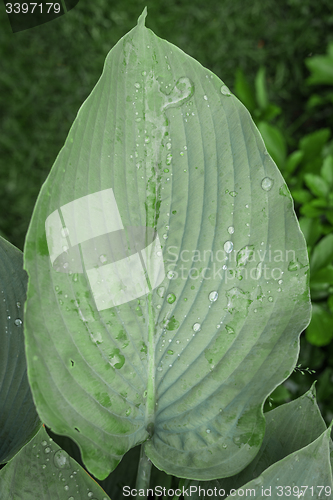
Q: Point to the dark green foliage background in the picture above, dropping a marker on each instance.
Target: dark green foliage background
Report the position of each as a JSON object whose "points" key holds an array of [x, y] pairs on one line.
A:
{"points": [[47, 72]]}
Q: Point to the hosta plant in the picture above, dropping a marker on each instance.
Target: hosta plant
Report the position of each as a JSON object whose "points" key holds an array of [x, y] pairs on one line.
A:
{"points": [[167, 290]]}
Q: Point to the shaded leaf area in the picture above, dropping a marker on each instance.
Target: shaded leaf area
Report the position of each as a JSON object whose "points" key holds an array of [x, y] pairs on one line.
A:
{"points": [[18, 417], [43, 470], [290, 430], [305, 473], [163, 168]]}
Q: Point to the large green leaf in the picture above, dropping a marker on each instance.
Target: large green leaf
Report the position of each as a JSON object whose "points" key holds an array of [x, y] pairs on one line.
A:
{"points": [[177, 345], [42, 470], [18, 417]]}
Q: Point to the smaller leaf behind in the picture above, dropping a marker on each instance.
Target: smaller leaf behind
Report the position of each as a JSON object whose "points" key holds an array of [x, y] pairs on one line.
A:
{"points": [[305, 473], [43, 470], [18, 417], [289, 428]]}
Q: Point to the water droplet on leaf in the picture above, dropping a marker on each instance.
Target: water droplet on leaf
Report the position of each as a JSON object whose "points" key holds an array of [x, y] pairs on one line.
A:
{"points": [[258, 271], [244, 255], [116, 359], [228, 246], [225, 90], [213, 296], [103, 258], [96, 337], [293, 266], [61, 460], [229, 329], [171, 298], [267, 184]]}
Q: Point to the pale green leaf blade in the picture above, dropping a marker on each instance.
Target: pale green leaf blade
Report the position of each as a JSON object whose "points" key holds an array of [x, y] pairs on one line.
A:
{"points": [[18, 417], [163, 156], [42, 470]]}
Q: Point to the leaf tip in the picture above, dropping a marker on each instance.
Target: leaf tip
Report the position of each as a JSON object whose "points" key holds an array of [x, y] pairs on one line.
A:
{"points": [[142, 18], [312, 389], [330, 428]]}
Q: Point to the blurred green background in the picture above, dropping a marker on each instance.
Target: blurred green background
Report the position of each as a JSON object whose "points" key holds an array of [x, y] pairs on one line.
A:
{"points": [[276, 56]]}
